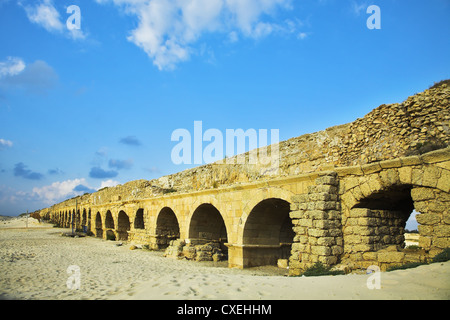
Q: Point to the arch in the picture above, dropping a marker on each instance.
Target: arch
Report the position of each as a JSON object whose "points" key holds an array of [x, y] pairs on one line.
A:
{"points": [[258, 196], [207, 224], [394, 197], [167, 228], [72, 218], [378, 182], [123, 226], [89, 221], [98, 225], [69, 219], [109, 221], [65, 221], [268, 233], [139, 219], [78, 220], [110, 235], [382, 218], [84, 218], [383, 201]]}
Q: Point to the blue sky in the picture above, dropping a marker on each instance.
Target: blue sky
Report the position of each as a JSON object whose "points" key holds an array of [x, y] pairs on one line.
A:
{"points": [[85, 108]]}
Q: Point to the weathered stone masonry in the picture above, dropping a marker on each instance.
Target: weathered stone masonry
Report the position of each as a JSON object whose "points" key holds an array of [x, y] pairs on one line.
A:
{"points": [[357, 215], [342, 196]]}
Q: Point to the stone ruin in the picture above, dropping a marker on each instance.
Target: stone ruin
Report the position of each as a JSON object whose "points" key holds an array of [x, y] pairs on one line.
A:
{"points": [[341, 196]]}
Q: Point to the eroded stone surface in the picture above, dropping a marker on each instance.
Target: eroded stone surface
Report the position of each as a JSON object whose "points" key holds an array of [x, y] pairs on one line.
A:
{"points": [[338, 196]]}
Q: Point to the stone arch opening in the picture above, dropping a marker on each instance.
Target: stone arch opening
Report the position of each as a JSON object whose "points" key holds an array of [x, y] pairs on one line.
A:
{"points": [[109, 221], [396, 197], [123, 226], [167, 228], [89, 221], [208, 226], [383, 216], [78, 221], [69, 218], [84, 218], [110, 235], [268, 233], [374, 231], [98, 225], [139, 219]]}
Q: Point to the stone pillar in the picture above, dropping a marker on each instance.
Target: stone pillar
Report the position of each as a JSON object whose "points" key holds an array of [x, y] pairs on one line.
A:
{"points": [[367, 231], [316, 219], [434, 218], [139, 236]]}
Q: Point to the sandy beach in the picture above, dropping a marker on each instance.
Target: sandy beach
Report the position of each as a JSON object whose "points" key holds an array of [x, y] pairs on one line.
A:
{"points": [[35, 261]]}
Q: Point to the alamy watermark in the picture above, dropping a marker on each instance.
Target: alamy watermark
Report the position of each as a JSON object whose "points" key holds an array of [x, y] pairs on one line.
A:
{"points": [[74, 280], [236, 146], [374, 280], [74, 21], [374, 21]]}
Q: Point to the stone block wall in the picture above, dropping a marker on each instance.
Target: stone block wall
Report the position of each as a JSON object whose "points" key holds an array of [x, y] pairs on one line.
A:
{"points": [[378, 200], [434, 218], [387, 132], [317, 223], [349, 164], [139, 236], [368, 231]]}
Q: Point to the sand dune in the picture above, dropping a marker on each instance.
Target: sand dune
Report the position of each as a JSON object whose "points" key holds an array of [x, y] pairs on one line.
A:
{"points": [[34, 264], [22, 222]]}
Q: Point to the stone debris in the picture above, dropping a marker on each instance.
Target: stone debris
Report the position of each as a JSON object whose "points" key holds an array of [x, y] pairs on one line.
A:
{"points": [[210, 251]]}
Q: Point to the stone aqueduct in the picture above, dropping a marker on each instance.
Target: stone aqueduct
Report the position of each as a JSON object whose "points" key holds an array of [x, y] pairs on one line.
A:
{"points": [[351, 215]]}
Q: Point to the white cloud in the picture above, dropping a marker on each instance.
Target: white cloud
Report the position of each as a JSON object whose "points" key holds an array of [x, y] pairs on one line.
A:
{"points": [[45, 14], [58, 191], [11, 67], [7, 194], [61, 190], [246, 14], [302, 35], [167, 29], [359, 7], [109, 183], [5, 144]]}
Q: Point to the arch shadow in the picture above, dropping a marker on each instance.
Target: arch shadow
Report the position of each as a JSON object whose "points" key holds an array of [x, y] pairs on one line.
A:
{"points": [[268, 233]]}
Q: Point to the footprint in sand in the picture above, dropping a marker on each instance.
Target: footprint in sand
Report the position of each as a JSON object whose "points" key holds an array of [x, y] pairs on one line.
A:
{"points": [[263, 293], [192, 291]]}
